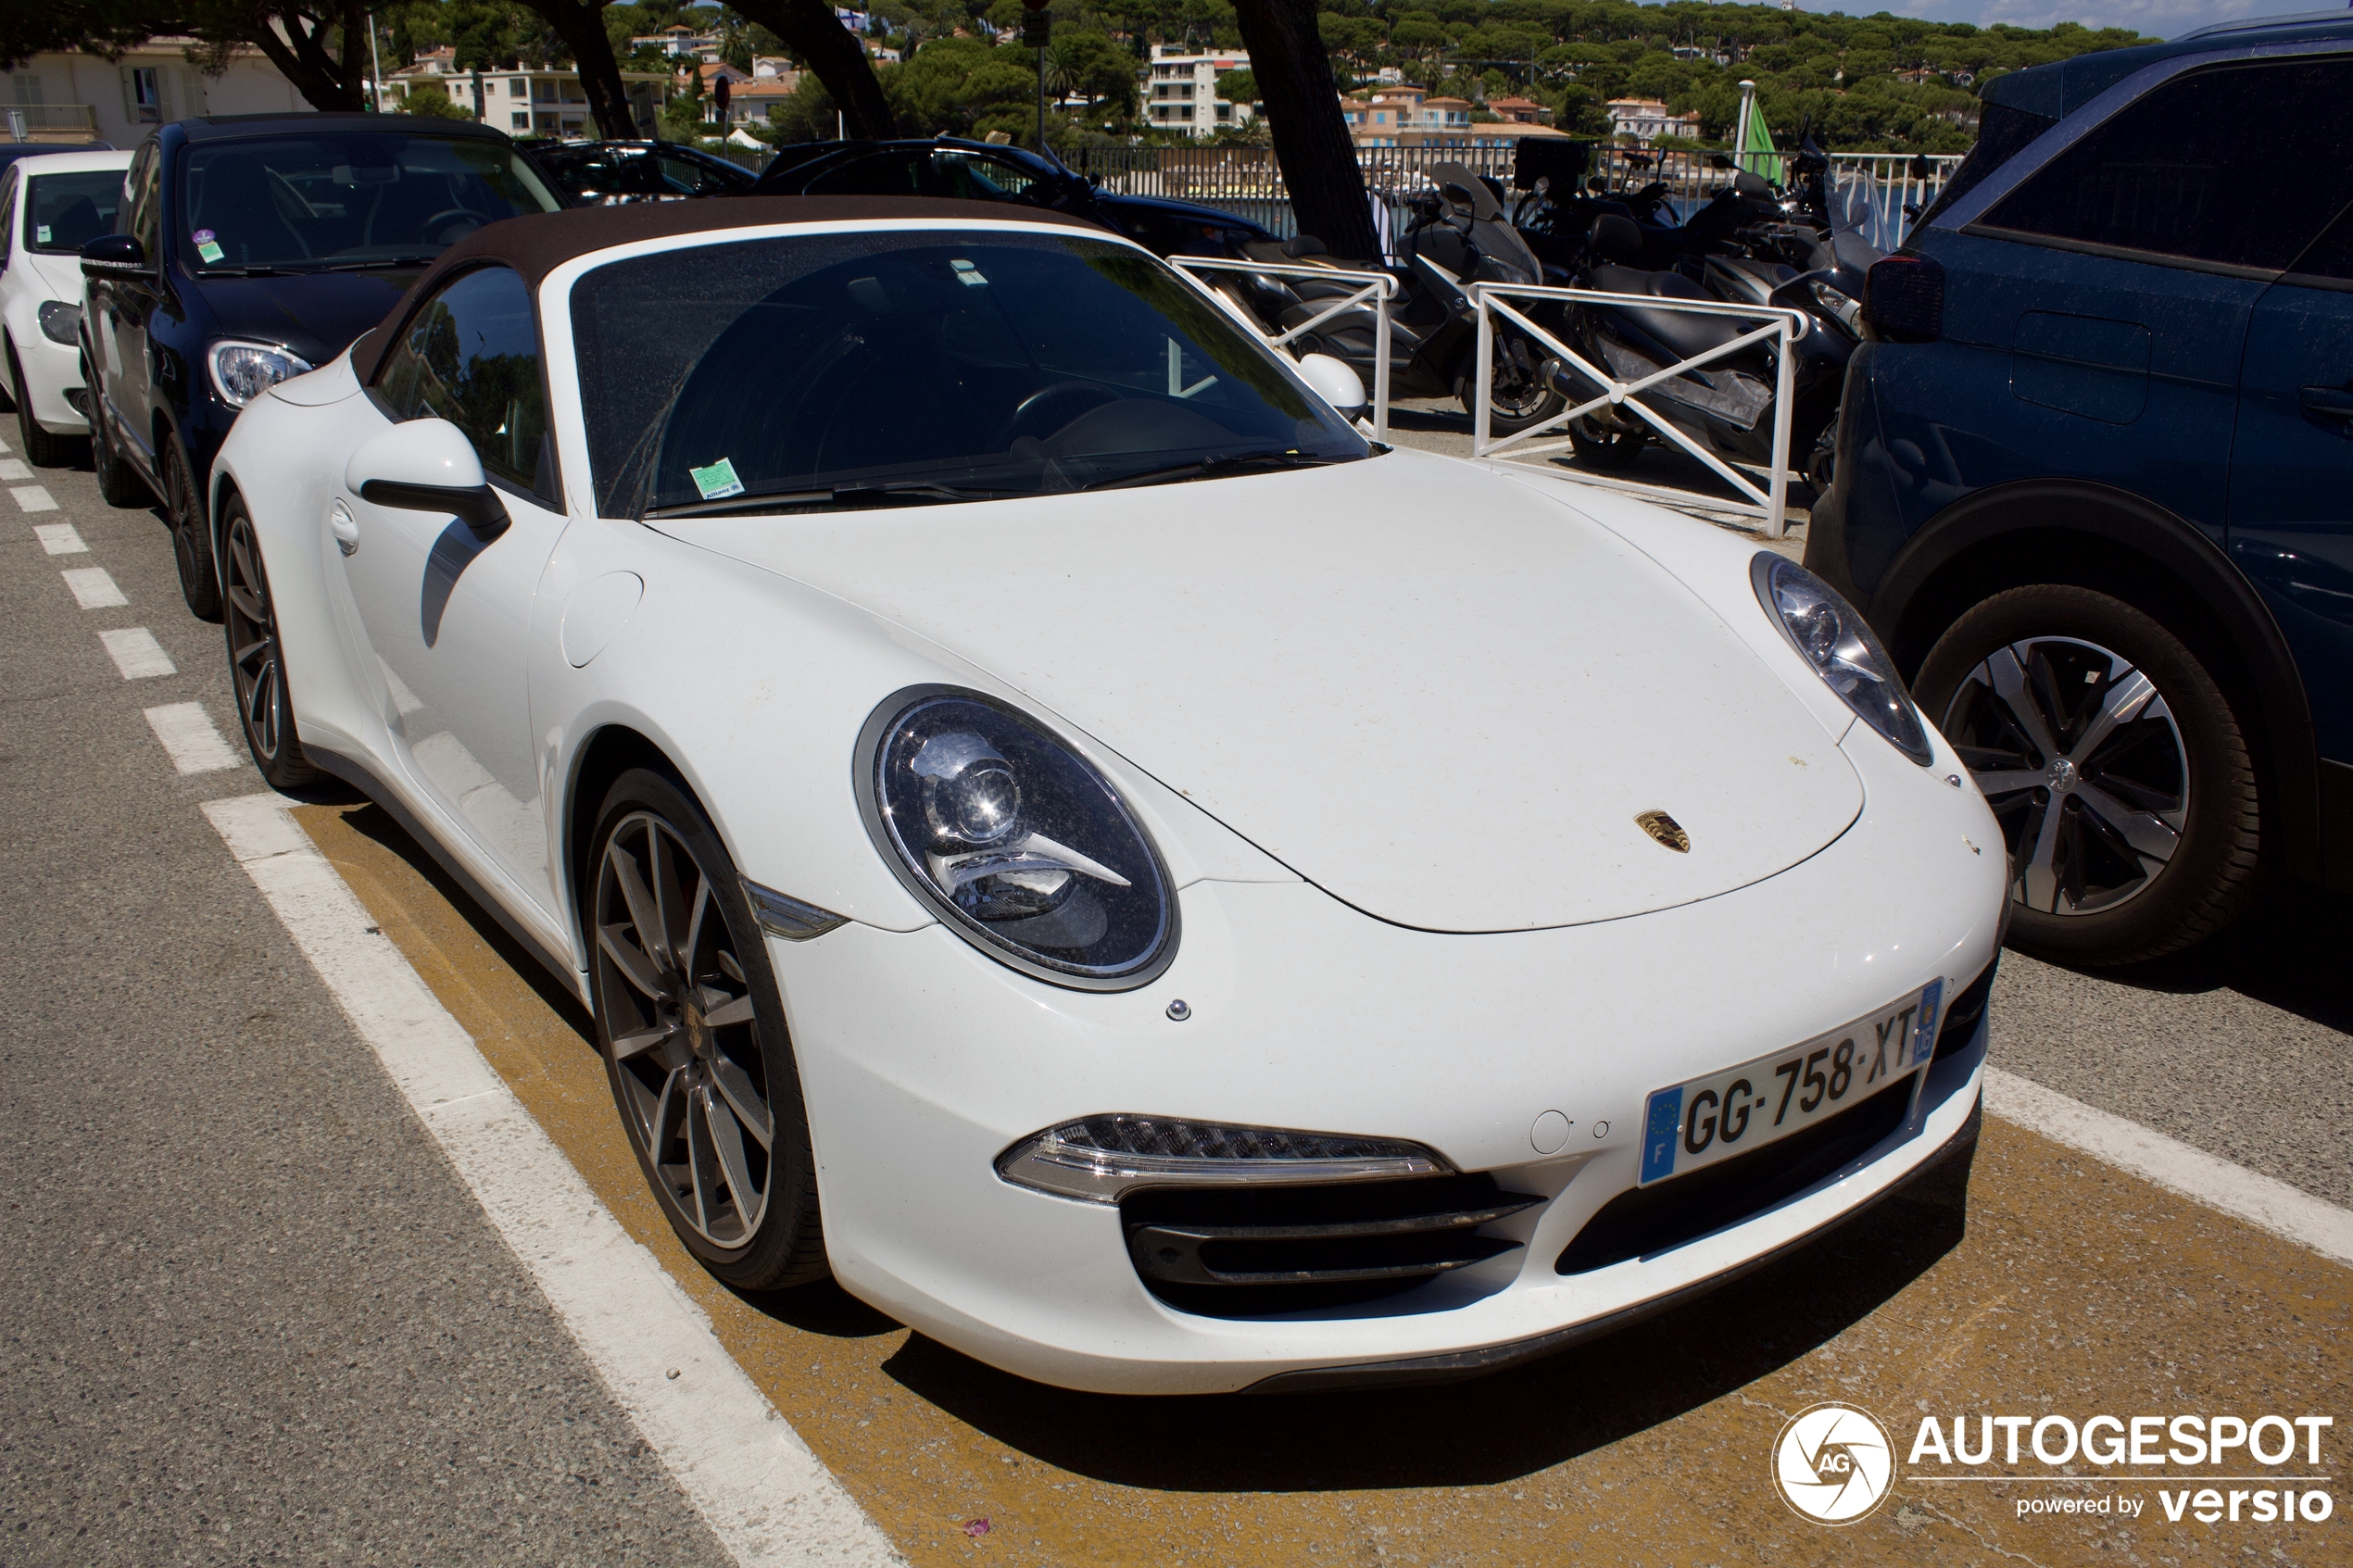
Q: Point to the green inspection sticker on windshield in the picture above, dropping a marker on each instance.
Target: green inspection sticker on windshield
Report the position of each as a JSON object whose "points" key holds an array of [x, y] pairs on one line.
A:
{"points": [[718, 481], [206, 246]]}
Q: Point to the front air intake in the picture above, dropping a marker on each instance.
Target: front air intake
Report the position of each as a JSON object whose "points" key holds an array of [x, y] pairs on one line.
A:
{"points": [[1249, 1251]]}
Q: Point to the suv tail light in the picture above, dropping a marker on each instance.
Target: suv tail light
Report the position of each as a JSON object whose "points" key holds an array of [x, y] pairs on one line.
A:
{"points": [[1904, 298]]}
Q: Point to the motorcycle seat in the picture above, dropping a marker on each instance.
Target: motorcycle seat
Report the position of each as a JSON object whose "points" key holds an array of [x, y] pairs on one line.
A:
{"points": [[1681, 334]]}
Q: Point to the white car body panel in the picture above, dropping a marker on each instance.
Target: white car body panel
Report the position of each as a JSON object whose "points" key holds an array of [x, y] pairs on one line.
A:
{"points": [[31, 279], [1238, 657]]}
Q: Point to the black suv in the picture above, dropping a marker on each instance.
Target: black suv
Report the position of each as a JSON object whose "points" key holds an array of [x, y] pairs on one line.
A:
{"points": [[250, 249], [2095, 478]]}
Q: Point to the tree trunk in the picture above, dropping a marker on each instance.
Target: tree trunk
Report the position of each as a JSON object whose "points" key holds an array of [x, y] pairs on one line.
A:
{"points": [[808, 30], [1311, 140], [581, 24], [300, 53]]}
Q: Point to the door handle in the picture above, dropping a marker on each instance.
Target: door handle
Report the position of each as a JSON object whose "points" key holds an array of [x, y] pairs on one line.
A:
{"points": [[345, 528], [2327, 406]]}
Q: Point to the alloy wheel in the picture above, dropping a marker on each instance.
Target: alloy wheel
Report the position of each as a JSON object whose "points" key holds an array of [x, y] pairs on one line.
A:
{"points": [[2082, 761], [682, 1036], [253, 645]]}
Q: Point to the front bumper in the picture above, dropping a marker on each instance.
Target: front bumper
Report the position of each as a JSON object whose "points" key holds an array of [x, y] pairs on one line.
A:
{"points": [[922, 1061]]}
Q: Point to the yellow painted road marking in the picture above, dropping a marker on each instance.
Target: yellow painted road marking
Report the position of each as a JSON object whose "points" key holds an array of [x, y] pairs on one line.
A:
{"points": [[2067, 1286]]}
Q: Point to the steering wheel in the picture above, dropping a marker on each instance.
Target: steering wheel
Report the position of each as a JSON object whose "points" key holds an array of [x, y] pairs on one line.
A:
{"points": [[465, 214], [1045, 412]]}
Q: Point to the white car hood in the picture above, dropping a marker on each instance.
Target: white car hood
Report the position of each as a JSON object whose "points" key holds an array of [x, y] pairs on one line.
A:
{"points": [[1431, 691]]}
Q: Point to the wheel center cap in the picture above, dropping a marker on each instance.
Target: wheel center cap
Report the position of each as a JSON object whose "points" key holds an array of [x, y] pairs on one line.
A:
{"points": [[697, 1031], [2061, 774]]}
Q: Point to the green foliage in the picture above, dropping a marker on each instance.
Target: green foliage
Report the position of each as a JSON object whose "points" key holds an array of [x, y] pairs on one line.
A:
{"points": [[1239, 87], [429, 99]]}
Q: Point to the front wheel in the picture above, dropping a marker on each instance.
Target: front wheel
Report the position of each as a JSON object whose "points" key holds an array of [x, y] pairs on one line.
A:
{"points": [[119, 484], [692, 1033], [191, 535], [257, 661], [1520, 395], [2115, 765], [42, 449]]}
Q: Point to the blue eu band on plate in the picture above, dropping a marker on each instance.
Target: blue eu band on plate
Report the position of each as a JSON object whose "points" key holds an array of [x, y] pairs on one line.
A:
{"points": [[1760, 1102]]}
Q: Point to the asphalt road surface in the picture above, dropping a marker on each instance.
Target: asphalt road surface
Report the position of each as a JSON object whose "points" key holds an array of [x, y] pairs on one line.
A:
{"points": [[249, 1313]]}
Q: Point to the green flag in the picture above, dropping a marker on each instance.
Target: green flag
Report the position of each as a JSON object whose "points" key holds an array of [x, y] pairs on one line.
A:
{"points": [[1760, 141]]}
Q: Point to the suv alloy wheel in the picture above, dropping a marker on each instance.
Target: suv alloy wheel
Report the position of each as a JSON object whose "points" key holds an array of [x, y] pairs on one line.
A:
{"points": [[2115, 765]]}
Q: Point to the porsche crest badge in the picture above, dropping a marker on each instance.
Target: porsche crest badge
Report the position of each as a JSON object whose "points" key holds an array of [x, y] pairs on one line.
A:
{"points": [[1667, 830]]}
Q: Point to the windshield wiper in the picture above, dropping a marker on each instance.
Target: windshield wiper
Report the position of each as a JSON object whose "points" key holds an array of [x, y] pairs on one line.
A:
{"points": [[918, 491], [1217, 466]]}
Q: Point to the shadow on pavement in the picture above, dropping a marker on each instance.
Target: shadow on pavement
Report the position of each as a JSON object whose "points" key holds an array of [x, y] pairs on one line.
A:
{"points": [[1471, 1433], [2288, 953], [373, 821]]}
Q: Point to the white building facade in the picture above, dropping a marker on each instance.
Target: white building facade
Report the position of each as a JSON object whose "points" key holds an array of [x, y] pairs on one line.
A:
{"points": [[524, 102], [1181, 91], [73, 97]]}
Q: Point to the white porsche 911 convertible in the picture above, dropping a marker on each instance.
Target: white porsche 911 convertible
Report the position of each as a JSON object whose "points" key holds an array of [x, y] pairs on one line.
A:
{"points": [[1140, 882]]}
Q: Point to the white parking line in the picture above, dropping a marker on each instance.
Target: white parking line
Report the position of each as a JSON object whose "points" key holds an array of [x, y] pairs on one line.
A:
{"points": [[33, 498], [187, 733], [59, 539], [2243, 1193], [94, 587], [136, 653], [15, 468], [759, 1487]]}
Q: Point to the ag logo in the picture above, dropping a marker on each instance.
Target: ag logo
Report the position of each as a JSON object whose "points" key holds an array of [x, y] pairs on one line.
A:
{"points": [[1834, 1463]]}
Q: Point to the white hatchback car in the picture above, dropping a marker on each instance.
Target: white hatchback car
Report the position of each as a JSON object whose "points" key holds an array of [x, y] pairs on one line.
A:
{"points": [[50, 206], [1143, 884]]}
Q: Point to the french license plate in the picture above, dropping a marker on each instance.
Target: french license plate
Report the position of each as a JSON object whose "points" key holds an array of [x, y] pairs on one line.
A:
{"points": [[1759, 1102]]}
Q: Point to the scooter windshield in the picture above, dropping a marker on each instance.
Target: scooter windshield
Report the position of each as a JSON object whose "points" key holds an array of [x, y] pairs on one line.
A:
{"points": [[833, 370]]}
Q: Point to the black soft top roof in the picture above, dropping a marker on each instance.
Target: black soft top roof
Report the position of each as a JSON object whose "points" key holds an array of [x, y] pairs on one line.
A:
{"points": [[537, 244]]}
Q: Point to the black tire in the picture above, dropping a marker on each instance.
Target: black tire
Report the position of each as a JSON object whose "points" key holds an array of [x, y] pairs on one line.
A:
{"points": [[691, 1088], [42, 449], [1608, 446], [191, 533], [2115, 765], [118, 482], [1516, 402], [258, 660]]}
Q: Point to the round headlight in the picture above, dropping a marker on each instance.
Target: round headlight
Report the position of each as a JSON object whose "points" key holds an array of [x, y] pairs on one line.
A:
{"points": [[1843, 650], [243, 371], [1024, 849]]}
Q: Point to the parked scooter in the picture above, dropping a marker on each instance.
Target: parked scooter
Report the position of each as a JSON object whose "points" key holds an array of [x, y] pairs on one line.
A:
{"points": [[1459, 236], [1726, 405]]}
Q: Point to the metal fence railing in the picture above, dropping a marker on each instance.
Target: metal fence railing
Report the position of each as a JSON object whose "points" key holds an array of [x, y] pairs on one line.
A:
{"points": [[1783, 328], [1373, 289], [1877, 188], [28, 121]]}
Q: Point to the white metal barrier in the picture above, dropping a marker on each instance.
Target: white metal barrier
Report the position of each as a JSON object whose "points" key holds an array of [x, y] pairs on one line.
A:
{"points": [[1783, 324], [1373, 288]]}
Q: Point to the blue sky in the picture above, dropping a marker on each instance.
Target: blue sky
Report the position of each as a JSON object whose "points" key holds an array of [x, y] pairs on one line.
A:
{"points": [[2159, 18]]}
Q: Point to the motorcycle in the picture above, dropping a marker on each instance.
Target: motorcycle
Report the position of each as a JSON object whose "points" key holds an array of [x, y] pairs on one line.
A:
{"points": [[1460, 235], [1748, 245]]}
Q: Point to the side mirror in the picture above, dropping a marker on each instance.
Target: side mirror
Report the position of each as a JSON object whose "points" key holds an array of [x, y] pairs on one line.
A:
{"points": [[114, 255], [1717, 160], [426, 466], [1333, 382]]}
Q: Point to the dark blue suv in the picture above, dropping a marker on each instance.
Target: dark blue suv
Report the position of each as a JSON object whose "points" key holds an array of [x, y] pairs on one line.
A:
{"points": [[2093, 483], [255, 247]]}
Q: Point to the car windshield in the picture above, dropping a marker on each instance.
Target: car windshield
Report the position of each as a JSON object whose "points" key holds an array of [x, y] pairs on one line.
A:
{"points": [[63, 212], [372, 198], [851, 368]]}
